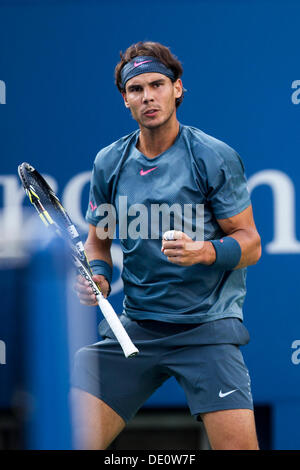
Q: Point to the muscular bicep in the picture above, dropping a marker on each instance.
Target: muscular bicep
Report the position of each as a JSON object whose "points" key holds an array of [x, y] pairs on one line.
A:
{"points": [[242, 221], [242, 228]]}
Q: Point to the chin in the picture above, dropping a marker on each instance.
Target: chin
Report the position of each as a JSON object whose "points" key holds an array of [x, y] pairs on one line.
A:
{"points": [[153, 124]]}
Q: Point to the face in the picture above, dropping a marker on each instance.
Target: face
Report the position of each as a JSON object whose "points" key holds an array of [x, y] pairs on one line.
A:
{"points": [[151, 98]]}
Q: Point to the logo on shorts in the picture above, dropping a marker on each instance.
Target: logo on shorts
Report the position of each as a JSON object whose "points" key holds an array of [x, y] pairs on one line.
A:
{"points": [[222, 395]]}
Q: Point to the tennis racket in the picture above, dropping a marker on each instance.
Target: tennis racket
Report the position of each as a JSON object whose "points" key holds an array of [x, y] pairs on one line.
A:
{"points": [[55, 217]]}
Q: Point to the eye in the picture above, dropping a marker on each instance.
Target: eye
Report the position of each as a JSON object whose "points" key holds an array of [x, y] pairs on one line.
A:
{"points": [[135, 88]]}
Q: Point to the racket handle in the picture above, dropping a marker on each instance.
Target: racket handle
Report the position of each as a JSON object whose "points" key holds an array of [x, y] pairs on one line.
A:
{"points": [[118, 329]]}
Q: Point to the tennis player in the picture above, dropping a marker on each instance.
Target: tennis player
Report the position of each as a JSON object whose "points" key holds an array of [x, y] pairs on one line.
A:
{"points": [[183, 297]]}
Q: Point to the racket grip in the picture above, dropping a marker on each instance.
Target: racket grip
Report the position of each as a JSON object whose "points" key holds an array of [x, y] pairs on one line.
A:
{"points": [[118, 329]]}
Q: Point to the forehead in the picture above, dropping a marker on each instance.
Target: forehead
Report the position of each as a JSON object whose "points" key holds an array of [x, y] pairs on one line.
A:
{"points": [[146, 78]]}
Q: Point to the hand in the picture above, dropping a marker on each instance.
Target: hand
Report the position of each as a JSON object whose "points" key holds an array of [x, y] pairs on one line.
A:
{"points": [[186, 252], [85, 292]]}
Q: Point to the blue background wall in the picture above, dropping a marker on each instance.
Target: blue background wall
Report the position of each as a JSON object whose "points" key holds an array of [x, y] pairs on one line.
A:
{"points": [[59, 106]]}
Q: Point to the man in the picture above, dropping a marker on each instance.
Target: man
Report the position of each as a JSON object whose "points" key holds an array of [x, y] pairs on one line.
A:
{"points": [[183, 297]]}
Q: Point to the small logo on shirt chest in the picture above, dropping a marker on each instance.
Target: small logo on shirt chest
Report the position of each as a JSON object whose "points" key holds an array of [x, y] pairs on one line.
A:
{"points": [[143, 173]]}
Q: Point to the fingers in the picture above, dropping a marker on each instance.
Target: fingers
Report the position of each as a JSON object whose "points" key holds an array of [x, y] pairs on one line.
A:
{"points": [[177, 247], [83, 286], [173, 252], [88, 301], [173, 235], [178, 244], [102, 284], [170, 253], [85, 292], [175, 260], [174, 239], [183, 250]]}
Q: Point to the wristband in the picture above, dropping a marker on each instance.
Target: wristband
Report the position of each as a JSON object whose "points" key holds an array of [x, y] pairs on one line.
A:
{"points": [[101, 267], [228, 253]]}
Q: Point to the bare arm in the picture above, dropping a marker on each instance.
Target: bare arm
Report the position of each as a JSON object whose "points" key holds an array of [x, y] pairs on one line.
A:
{"points": [[96, 247], [187, 252], [243, 229]]}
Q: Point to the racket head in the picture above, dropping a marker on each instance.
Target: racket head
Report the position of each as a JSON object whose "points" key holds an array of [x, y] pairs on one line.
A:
{"points": [[37, 188], [52, 212]]}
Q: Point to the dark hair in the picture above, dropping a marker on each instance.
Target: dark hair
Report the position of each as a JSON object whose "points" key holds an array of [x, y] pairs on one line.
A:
{"points": [[148, 48]]}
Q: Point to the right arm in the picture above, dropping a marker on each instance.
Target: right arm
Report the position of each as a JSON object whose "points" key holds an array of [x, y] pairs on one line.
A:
{"points": [[95, 248]]}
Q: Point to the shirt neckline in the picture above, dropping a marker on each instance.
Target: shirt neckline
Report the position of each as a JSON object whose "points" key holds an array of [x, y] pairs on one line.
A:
{"points": [[148, 159]]}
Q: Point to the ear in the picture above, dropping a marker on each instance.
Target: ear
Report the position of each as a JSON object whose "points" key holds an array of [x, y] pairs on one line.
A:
{"points": [[178, 88], [125, 99]]}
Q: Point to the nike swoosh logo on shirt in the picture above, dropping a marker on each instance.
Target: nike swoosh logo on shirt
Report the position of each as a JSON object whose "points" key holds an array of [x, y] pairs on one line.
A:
{"points": [[142, 172], [222, 395], [137, 64], [93, 207]]}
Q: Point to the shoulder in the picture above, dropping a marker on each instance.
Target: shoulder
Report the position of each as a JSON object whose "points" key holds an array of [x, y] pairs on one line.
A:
{"points": [[209, 151], [109, 156]]}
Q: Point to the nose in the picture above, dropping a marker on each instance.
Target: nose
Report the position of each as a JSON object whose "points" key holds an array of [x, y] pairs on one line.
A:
{"points": [[147, 95]]}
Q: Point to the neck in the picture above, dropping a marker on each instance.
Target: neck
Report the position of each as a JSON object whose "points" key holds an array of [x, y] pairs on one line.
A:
{"points": [[153, 142]]}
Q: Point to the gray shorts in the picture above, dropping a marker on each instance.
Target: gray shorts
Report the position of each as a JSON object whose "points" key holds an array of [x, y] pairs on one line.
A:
{"points": [[204, 359]]}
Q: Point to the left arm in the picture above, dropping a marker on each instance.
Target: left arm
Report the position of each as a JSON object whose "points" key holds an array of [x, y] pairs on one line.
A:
{"points": [[186, 252], [243, 229]]}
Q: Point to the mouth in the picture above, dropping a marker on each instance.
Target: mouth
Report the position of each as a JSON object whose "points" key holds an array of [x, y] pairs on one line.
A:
{"points": [[151, 112]]}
